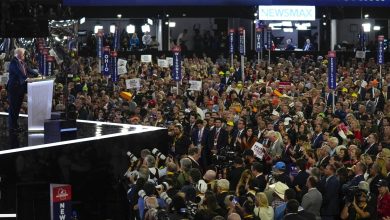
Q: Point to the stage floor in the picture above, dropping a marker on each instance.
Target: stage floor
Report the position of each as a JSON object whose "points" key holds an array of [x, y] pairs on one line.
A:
{"points": [[86, 131]]}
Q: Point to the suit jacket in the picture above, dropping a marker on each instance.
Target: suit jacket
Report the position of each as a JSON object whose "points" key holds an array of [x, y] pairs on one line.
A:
{"points": [[221, 140], [17, 77], [276, 149], [308, 47], [330, 195], [317, 141], [311, 202], [373, 150], [293, 216], [204, 138], [380, 103]]}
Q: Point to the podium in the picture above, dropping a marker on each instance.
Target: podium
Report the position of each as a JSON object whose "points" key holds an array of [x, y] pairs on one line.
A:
{"points": [[40, 96]]}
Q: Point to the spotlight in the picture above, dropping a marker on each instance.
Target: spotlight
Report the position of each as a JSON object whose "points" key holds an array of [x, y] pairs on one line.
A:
{"points": [[150, 21], [82, 20], [130, 29], [145, 28], [255, 14], [366, 16], [112, 28], [324, 15], [376, 28], [97, 28], [119, 15], [167, 15], [172, 24], [324, 23], [366, 27]]}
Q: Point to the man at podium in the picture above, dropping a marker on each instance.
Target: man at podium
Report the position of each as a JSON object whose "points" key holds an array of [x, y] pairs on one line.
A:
{"points": [[17, 87]]}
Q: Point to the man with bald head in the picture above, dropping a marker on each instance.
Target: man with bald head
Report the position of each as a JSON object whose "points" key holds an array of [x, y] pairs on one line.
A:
{"points": [[234, 216]]}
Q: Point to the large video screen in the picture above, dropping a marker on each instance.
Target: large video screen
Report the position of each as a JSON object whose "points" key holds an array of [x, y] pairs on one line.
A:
{"points": [[225, 2]]}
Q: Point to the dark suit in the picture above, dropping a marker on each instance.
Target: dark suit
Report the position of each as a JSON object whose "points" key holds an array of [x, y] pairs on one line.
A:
{"points": [[215, 141], [330, 195], [308, 47], [17, 87], [196, 140], [317, 141], [260, 182], [300, 180]]}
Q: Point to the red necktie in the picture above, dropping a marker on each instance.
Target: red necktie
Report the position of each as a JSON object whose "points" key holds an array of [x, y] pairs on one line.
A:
{"points": [[23, 67]]}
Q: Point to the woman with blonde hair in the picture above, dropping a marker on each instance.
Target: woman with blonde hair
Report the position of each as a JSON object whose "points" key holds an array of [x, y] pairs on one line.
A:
{"points": [[245, 177], [262, 209]]}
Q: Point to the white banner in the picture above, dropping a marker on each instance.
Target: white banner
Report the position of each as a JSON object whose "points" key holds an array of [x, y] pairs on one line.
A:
{"points": [[258, 150], [163, 63], [170, 60], [122, 70], [360, 54], [133, 83], [146, 58], [195, 85], [40, 96]]}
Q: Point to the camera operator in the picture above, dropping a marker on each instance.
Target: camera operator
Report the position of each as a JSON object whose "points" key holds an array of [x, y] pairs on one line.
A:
{"points": [[359, 208], [148, 199], [154, 173]]}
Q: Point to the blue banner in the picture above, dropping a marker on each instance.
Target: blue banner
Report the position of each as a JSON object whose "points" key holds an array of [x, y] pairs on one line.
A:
{"points": [[114, 66], [99, 47], [269, 39], [106, 61], [332, 69], [41, 61], [381, 52], [242, 41], [362, 40], [231, 41], [116, 39], [45, 64], [259, 39], [176, 70]]}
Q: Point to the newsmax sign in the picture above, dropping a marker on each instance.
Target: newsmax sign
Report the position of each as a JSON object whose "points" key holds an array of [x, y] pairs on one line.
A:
{"points": [[285, 13]]}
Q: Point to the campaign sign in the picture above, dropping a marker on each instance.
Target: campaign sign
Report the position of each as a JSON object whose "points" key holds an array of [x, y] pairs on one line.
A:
{"points": [[99, 43], [231, 41], [133, 83], [114, 66], [259, 39], [242, 40], [269, 39], [195, 85], [60, 202], [332, 66], [258, 150], [381, 53], [176, 64], [106, 61]]}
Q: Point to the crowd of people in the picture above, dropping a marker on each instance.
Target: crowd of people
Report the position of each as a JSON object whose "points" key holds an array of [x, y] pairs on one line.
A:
{"points": [[264, 144]]}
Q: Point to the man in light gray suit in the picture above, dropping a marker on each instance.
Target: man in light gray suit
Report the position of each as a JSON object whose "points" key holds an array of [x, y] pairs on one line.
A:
{"points": [[312, 200], [276, 148]]}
